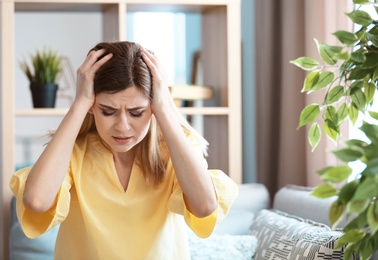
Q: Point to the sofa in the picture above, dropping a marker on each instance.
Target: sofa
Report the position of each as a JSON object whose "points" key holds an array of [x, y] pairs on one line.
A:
{"points": [[293, 225]]}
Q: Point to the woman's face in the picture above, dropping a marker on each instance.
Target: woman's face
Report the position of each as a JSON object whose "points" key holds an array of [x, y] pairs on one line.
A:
{"points": [[122, 119]]}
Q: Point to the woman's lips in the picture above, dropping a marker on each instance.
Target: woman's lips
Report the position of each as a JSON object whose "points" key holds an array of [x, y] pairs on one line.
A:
{"points": [[122, 140]]}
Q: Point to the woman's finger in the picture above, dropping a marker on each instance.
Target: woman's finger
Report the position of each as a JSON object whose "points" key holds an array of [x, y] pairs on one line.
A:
{"points": [[100, 62], [92, 58]]}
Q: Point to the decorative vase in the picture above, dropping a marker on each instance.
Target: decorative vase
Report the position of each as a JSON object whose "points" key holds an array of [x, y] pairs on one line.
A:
{"points": [[44, 95]]}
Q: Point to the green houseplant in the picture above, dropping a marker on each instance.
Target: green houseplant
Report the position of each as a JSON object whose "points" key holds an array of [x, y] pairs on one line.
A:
{"points": [[348, 75], [42, 75]]}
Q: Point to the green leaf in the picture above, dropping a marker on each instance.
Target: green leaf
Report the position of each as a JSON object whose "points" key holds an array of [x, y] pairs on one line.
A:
{"points": [[351, 236], [369, 91], [348, 154], [347, 191], [342, 113], [336, 174], [360, 2], [353, 114], [375, 74], [324, 191], [331, 130], [46, 66], [358, 98], [357, 56], [370, 130], [372, 217], [325, 78], [308, 114], [367, 189], [346, 38], [335, 213], [349, 250], [314, 135], [331, 114], [327, 52], [360, 17], [367, 248], [359, 222], [357, 206], [334, 95], [371, 60], [342, 55], [371, 166], [356, 143], [360, 73], [324, 170], [373, 114], [373, 37], [305, 63], [310, 81]]}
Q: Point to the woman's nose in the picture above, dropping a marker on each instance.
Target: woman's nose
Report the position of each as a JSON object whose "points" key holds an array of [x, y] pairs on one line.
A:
{"points": [[122, 123]]}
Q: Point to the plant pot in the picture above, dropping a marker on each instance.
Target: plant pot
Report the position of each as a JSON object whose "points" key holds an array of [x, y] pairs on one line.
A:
{"points": [[44, 95]]}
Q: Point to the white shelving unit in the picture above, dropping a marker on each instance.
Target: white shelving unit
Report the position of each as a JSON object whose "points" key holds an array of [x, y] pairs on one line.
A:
{"points": [[221, 61]]}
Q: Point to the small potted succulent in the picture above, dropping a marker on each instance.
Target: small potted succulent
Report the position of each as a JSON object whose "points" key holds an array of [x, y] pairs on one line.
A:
{"points": [[42, 75]]}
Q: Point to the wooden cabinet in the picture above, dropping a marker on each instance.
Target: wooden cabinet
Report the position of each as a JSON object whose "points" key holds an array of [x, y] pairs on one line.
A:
{"points": [[221, 62]]}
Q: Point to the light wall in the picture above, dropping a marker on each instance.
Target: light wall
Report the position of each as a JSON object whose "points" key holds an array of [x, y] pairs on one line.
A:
{"points": [[72, 35]]}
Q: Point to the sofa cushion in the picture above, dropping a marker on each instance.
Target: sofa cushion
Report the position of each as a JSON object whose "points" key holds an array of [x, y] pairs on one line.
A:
{"points": [[252, 197], [284, 236], [222, 247], [237, 222], [24, 248], [297, 200]]}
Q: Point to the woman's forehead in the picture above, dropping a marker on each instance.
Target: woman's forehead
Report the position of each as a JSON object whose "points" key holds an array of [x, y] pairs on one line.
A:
{"points": [[132, 97]]}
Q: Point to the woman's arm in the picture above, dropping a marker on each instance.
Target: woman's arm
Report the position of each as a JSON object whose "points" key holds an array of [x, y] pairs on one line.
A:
{"points": [[48, 172], [191, 170]]}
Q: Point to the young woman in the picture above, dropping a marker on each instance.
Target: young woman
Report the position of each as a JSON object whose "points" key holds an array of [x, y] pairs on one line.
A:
{"points": [[124, 171]]}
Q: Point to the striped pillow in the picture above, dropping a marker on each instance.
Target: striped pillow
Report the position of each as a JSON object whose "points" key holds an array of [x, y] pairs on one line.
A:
{"points": [[284, 236]]}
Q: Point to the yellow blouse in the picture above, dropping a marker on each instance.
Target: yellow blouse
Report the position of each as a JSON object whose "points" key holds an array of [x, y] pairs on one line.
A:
{"points": [[99, 220]]}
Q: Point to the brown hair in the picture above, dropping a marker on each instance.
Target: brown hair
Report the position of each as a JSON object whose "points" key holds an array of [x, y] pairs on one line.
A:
{"points": [[127, 69]]}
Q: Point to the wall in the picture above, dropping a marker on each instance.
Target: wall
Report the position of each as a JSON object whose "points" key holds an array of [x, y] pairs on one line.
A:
{"points": [[80, 31], [248, 98], [71, 34]]}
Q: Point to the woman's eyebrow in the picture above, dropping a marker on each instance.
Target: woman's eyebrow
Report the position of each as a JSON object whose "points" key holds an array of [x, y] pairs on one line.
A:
{"points": [[136, 108], [129, 109], [107, 107]]}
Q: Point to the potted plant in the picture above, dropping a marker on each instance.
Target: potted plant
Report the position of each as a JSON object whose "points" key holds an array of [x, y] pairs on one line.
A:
{"points": [[348, 75], [46, 65]]}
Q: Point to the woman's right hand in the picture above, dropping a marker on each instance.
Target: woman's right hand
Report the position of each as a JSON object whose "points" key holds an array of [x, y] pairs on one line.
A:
{"points": [[47, 174], [85, 76]]}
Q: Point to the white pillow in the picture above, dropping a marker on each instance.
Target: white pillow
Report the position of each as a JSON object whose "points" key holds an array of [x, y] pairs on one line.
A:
{"points": [[236, 222], [222, 247]]}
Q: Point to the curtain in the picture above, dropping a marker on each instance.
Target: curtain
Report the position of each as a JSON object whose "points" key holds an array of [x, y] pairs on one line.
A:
{"points": [[284, 31]]}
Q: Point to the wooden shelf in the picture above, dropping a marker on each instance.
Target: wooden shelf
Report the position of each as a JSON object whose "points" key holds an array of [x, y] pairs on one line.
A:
{"points": [[191, 92], [220, 65], [41, 112], [188, 6], [52, 112]]}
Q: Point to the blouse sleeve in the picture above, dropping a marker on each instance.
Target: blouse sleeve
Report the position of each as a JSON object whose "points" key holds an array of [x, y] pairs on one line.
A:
{"points": [[226, 191], [35, 224]]}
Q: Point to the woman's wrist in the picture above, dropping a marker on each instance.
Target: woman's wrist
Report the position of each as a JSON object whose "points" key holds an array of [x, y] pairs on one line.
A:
{"points": [[82, 104]]}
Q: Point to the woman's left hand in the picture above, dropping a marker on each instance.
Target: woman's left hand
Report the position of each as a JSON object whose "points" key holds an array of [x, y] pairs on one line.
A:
{"points": [[160, 90], [190, 169]]}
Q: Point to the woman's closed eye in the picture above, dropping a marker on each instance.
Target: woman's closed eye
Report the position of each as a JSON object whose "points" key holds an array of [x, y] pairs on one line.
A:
{"points": [[108, 112], [136, 114]]}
